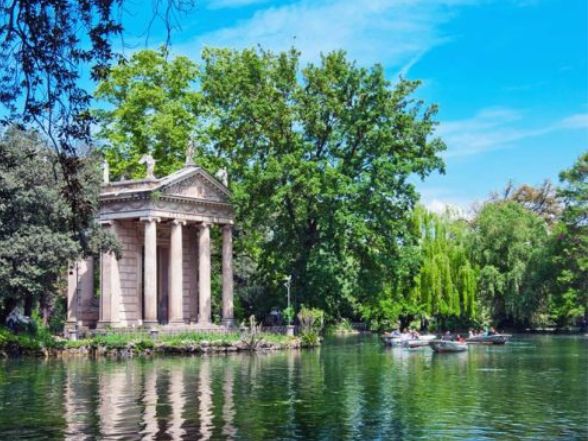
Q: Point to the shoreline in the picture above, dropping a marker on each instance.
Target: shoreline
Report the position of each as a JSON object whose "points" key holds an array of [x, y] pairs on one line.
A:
{"points": [[115, 345], [131, 351]]}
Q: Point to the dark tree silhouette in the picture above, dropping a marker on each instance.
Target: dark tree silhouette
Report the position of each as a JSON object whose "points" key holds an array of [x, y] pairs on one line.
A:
{"points": [[44, 47]]}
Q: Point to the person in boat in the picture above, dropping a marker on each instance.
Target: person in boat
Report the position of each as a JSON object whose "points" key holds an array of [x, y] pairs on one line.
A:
{"points": [[471, 333], [459, 338], [447, 336], [395, 333]]}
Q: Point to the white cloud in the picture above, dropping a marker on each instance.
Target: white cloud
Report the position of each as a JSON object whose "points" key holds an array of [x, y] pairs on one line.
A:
{"points": [[497, 128], [394, 32], [577, 121], [439, 199]]}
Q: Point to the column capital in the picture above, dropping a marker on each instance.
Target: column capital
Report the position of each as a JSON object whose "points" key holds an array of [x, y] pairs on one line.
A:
{"points": [[150, 219], [178, 222], [203, 225], [106, 223]]}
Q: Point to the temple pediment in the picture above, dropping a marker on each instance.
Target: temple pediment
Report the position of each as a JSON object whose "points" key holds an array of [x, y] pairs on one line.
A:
{"points": [[197, 185], [190, 193]]}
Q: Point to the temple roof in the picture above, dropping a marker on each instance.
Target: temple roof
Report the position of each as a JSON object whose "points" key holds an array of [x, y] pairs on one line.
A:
{"points": [[190, 193], [131, 186]]}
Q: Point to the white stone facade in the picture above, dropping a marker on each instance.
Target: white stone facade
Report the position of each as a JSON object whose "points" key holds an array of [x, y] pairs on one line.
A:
{"points": [[163, 276]]}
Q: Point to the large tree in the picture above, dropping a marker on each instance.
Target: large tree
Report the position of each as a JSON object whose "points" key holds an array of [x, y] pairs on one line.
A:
{"points": [[509, 247], [447, 283], [35, 239], [152, 108], [570, 246], [47, 47], [320, 160]]}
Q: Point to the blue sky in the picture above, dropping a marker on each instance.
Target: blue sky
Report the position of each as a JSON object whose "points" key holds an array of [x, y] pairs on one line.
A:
{"points": [[510, 76]]}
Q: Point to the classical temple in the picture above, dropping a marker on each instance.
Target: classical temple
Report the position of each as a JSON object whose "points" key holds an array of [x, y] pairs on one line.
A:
{"points": [[163, 276]]}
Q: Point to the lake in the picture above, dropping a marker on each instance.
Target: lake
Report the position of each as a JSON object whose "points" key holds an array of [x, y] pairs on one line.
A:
{"points": [[535, 388]]}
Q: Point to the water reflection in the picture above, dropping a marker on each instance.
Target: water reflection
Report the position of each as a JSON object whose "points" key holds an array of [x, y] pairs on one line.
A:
{"points": [[349, 390], [157, 399]]}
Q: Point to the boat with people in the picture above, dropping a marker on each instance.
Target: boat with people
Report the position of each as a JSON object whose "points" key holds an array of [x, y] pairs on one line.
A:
{"points": [[489, 337], [442, 345], [418, 342], [409, 340]]}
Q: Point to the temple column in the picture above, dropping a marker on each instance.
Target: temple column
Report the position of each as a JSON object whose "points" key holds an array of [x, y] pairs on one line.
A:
{"points": [[80, 289], [110, 291], [176, 284], [150, 271], [228, 318], [204, 316]]}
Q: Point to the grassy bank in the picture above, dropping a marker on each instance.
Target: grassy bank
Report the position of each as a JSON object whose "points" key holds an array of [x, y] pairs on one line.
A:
{"points": [[129, 344]]}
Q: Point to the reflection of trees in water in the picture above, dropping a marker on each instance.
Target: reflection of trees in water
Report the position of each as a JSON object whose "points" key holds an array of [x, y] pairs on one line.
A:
{"points": [[362, 392]]}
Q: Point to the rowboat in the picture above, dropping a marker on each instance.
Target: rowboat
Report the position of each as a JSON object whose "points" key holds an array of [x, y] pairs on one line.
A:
{"points": [[418, 342], [393, 340], [404, 341], [448, 346], [494, 339]]}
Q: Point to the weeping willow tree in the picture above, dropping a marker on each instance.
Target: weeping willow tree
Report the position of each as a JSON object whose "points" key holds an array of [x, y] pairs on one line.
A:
{"points": [[445, 288]]}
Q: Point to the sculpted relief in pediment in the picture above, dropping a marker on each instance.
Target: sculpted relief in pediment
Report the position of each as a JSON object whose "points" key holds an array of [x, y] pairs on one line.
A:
{"points": [[196, 187]]}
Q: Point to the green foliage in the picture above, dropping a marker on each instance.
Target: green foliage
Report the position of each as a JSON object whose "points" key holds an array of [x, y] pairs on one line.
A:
{"points": [[447, 283], [154, 110], [343, 326], [569, 247], [311, 319], [35, 241], [289, 314], [310, 339], [311, 324], [318, 141], [32, 342], [37, 224], [319, 160], [509, 245], [436, 277]]}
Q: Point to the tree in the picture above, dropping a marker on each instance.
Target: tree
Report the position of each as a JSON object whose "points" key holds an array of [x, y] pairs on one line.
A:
{"points": [[447, 283], [509, 244], [35, 242], [569, 246], [36, 239], [541, 200], [438, 279], [320, 160], [154, 110], [45, 46]]}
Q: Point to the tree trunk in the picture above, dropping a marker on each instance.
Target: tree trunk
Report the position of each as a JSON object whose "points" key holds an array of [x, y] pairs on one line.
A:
{"points": [[28, 305], [405, 321], [46, 308]]}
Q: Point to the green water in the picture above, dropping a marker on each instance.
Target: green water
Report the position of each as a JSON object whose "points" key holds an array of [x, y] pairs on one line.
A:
{"points": [[533, 388]]}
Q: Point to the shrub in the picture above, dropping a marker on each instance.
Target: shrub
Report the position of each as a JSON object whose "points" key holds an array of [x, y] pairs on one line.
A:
{"points": [[311, 319], [311, 325], [310, 339], [289, 314]]}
